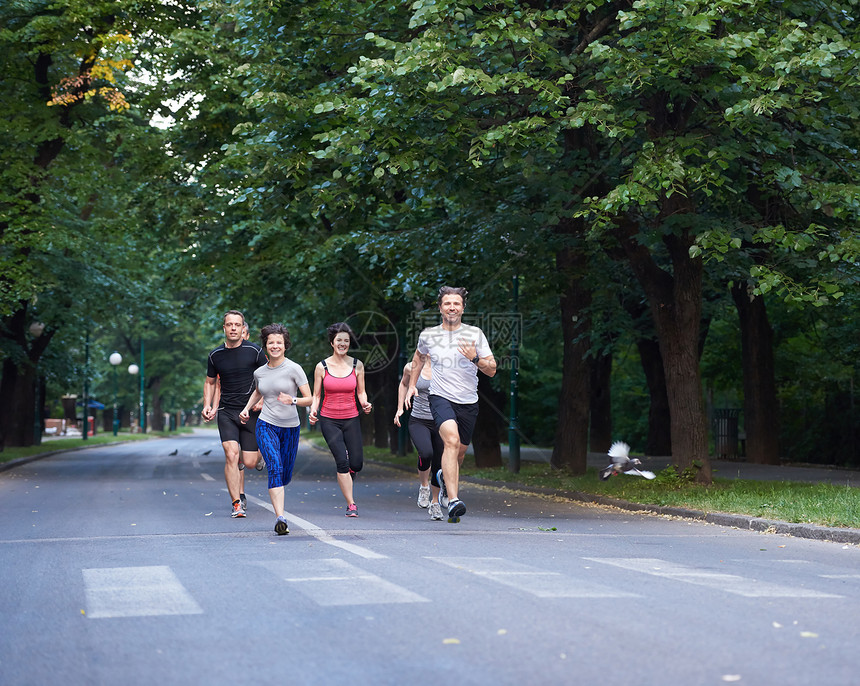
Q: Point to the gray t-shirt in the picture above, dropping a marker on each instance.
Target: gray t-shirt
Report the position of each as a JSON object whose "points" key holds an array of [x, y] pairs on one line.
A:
{"points": [[421, 402], [285, 378]]}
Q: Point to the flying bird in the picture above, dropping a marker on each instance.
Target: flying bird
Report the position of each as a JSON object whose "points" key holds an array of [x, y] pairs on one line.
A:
{"points": [[174, 452], [206, 452], [622, 463]]}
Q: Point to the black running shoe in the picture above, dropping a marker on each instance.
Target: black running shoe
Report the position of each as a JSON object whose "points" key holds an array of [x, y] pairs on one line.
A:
{"points": [[456, 508], [443, 492], [281, 526]]}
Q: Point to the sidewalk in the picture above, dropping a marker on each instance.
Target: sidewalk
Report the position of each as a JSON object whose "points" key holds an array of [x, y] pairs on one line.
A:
{"points": [[723, 469]]}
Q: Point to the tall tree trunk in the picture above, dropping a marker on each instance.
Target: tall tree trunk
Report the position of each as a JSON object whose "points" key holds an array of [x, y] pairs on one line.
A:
{"points": [[600, 434], [18, 385], [391, 375], [675, 300], [571, 434], [378, 384], [761, 407], [488, 449], [17, 404], [659, 441], [156, 415]]}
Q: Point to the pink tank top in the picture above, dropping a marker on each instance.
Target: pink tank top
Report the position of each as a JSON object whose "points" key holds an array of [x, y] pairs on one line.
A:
{"points": [[339, 395]]}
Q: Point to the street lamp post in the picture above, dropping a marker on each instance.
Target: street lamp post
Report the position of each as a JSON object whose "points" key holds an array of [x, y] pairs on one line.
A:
{"points": [[513, 427], [86, 431], [133, 369], [142, 407], [115, 358]]}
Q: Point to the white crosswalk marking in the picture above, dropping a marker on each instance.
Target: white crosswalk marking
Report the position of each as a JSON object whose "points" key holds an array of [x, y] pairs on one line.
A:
{"points": [[334, 582], [730, 583], [531, 579], [136, 592]]}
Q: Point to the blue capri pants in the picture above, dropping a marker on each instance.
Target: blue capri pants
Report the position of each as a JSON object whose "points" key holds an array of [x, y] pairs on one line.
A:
{"points": [[279, 445]]}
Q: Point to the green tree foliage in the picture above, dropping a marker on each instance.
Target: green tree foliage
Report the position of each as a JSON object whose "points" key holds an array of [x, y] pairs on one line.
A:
{"points": [[387, 147], [331, 157], [76, 230]]}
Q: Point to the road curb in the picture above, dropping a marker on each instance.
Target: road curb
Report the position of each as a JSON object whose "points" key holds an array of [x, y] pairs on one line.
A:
{"points": [[745, 522], [812, 531]]}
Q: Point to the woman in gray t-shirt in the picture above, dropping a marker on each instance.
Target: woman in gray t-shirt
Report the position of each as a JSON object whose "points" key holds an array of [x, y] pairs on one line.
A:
{"points": [[282, 385], [425, 437]]}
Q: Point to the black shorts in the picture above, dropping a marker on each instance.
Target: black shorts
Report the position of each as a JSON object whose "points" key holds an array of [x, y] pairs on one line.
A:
{"points": [[231, 429], [465, 416]]}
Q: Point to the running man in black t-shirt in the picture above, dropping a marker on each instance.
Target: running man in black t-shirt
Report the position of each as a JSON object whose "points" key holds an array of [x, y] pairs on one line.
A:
{"points": [[234, 363]]}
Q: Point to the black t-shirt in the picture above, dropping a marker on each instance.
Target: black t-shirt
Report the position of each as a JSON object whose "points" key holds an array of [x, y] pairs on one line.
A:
{"points": [[236, 368]]}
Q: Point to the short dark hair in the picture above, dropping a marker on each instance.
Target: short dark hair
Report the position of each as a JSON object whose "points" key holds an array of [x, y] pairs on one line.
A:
{"points": [[269, 329], [452, 290], [340, 327], [229, 312]]}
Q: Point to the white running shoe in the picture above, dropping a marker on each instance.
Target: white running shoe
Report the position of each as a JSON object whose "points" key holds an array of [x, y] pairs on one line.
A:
{"points": [[238, 509], [423, 496], [435, 512]]}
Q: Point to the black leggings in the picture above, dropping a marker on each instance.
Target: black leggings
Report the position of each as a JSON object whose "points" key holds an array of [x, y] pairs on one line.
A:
{"points": [[343, 437], [427, 441]]}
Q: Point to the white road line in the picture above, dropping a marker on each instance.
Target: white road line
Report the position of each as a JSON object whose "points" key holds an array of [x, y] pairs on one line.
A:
{"points": [[730, 583], [321, 534], [531, 579], [335, 582], [206, 477], [136, 592], [839, 576]]}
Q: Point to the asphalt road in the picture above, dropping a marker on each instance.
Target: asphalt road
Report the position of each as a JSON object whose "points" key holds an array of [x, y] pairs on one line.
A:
{"points": [[122, 565]]}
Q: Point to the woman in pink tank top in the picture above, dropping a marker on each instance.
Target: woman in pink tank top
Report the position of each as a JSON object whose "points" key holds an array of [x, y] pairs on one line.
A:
{"points": [[339, 383]]}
